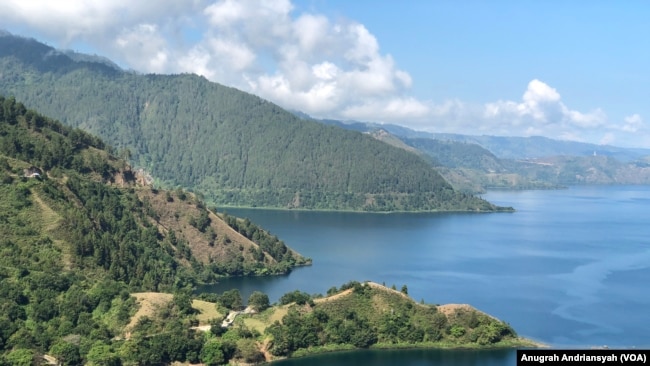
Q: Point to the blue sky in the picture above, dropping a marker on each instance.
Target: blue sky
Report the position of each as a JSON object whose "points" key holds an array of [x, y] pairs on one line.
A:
{"points": [[561, 69]]}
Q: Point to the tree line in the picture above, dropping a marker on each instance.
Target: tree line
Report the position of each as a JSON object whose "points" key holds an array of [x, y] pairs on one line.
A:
{"points": [[237, 149]]}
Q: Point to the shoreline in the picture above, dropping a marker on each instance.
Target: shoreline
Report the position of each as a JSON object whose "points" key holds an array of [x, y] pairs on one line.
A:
{"points": [[223, 209], [518, 343]]}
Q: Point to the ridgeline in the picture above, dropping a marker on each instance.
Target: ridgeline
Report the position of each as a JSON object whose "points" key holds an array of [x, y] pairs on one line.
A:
{"points": [[233, 147], [83, 245], [79, 231]]}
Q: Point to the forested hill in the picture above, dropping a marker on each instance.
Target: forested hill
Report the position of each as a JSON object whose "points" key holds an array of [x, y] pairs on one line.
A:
{"points": [[234, 147], [67, 203]]}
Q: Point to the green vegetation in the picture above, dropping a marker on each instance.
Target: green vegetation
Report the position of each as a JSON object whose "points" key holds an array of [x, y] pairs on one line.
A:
{"points": [[370, 315], [356, 315], [471, 168], [235, 148], [77, 236], [259, 301], [475, 164], [455, 154]]}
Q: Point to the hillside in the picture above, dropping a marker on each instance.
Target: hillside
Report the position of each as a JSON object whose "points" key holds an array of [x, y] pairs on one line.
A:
{"points": [[356, 315], [81, 240], [235, 148], [90, 202], [477, 163], [369, 315], [504, 147], [78, 233]]}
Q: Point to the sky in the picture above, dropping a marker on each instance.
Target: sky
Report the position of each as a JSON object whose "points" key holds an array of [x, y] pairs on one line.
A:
{"points": [[570, 70]]}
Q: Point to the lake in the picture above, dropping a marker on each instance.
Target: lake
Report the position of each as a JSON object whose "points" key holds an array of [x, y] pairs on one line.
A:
{"points": [[570, 267]]}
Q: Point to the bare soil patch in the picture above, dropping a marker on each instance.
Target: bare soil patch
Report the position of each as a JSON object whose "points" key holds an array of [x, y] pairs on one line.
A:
{"points": [[333, 297], [450, 309], [149, 303]]}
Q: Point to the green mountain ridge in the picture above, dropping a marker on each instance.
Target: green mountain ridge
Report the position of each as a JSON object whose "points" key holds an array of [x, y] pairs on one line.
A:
{"points": [[478, 163], [80, 240], [504, 147], [92, 205], [235, 148], [78, 234]]}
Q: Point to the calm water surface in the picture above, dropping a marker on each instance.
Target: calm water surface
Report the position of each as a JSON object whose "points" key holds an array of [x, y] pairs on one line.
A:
{"points": [[569, 268]]}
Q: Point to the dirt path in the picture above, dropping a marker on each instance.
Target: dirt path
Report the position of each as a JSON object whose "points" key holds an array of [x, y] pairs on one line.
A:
{"points": [[264, 348], [334, 297]]}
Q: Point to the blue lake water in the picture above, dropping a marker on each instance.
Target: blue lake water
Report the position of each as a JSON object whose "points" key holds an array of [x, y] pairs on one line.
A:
{"points": [[569, 267]]}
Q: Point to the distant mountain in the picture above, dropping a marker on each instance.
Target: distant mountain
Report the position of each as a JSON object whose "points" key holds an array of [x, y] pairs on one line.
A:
{"points": [[477, 163], [504, 147], [538, 147], [236, 148]]}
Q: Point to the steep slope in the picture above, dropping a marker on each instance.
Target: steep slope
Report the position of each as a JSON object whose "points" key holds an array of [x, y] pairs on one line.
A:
{"points": [[77, 234], [84, 201], [235, 148]]}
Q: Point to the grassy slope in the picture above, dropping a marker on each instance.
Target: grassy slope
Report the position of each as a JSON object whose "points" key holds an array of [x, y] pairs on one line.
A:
{"points": [[374, 305], [176, 214], [382, 301]]}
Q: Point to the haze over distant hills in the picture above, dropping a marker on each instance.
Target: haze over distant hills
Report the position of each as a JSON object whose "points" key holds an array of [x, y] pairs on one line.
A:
{"points": [[505, 147], [477, 163], [234, 147]]}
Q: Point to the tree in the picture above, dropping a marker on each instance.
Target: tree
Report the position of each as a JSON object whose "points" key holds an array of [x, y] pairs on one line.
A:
{"points": [[101, 355], [66, 353], [258, 301], [212, 352], [21, 357], [405, 290], [183, 302], [203, 221], [299, 297], [248, 350], [231, 299]]}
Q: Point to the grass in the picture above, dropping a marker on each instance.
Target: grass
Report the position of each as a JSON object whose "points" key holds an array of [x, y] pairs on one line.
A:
{"points": [[207, 311], [149, 303], [256, 324], [279, 313], [264, 319], [50, 221]]}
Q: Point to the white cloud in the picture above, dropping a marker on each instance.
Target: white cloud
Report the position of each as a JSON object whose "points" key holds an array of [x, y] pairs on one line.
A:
{"points": [[312, 32], [326, 67], [92, 20], [304, 61], [325, 70], [633, 123], [542, 104], [238, 55], [144, 48]]}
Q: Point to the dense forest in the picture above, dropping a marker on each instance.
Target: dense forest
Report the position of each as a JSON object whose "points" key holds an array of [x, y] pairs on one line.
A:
{"points": [[77, 235], [233, 147]]}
